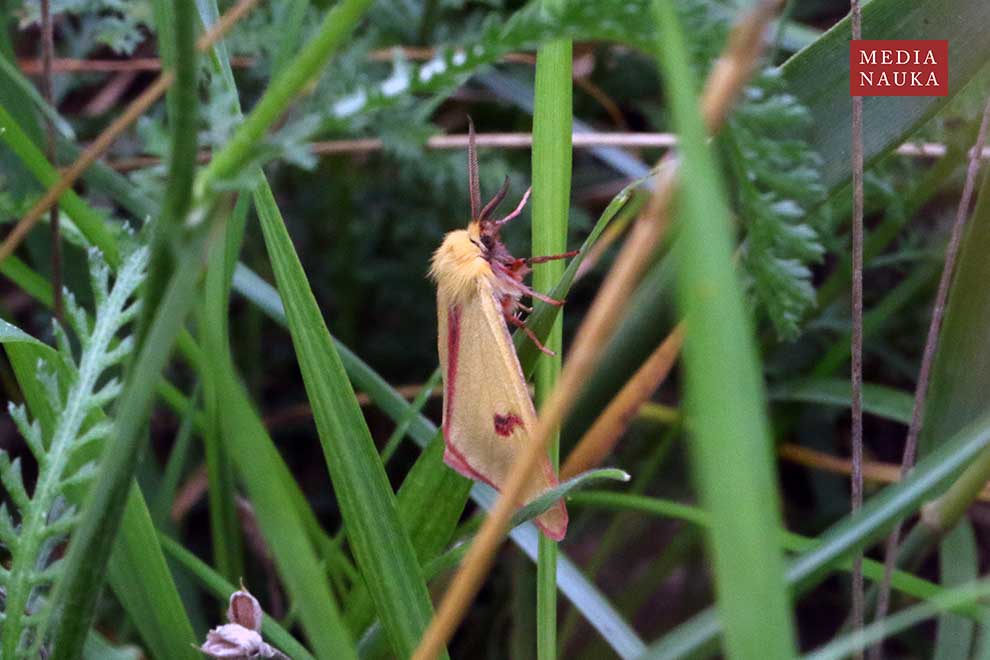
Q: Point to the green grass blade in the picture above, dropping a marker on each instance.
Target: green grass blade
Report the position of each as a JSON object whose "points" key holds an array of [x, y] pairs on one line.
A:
{"points": [[90, 223], [723, 386], [907, 583], [141, 580], [552, 126], [565, 489], [380, 545], [225, 526], [880, 400], [852, 533], [268, 485], [849, 644], [958, 562], [819, 76]]}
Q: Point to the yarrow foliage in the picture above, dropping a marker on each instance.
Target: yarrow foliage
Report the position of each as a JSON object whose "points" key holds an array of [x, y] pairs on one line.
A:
{"points": [[75, 394]]}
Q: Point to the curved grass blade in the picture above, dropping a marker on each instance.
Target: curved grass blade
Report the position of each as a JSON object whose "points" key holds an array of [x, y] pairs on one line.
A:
{"points": [[565, 488], [849, 535], [880, 400]]}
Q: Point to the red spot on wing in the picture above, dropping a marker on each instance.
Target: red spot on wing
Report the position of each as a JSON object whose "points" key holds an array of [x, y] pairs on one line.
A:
{"points": [[459, 462], [504, 424]]}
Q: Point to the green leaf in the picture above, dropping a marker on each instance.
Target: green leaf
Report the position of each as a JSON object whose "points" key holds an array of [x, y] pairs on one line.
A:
{"points": [[849, 644], [547, 499], [851, 534], [819, 77], [880, 400], [141, 580], [271, 488], [380, 545], [552, 153], [723, 385]]}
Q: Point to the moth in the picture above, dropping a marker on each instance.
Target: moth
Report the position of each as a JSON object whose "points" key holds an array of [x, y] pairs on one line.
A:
{"points": [[488, 415]]}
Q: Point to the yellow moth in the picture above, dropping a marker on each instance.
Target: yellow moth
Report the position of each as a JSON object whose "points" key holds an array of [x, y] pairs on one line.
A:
{"points": [[487, 412]]}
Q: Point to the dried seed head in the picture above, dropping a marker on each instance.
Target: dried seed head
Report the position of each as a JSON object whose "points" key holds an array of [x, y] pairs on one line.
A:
{"points": [[241, 637], [235, 641], [244, 610]]}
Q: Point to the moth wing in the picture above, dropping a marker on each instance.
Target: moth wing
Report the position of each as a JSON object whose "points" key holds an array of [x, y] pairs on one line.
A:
{"points": [[488, 414]]}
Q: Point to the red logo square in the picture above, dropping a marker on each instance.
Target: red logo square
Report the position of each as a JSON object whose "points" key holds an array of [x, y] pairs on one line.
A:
{"points": [[899, 67]]}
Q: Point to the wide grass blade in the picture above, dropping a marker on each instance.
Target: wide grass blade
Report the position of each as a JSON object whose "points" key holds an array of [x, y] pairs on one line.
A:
{"points": [[268, 485], [141, 580], [731, 447], [380, 544], [818, 76]]}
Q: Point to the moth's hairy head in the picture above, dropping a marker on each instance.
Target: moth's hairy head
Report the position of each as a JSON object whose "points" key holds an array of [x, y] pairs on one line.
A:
{"points": [[458, 263]]}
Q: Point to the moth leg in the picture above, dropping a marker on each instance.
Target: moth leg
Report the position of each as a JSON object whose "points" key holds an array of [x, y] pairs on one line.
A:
{"points": [[552, 257], [522, 203], [519, 323], [539, 296]]}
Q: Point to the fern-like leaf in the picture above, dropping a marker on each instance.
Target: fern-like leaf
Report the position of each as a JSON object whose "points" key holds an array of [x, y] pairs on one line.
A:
{"points": [[65, 460], [778, 178]]}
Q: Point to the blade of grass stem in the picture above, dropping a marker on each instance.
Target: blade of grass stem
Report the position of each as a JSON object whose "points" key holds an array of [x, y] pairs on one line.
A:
{"points": [[141, 580], [856, 338], [176, 25], [723, 386], [225, 532], [176, 463], [380, 545], [552, 152], [880, 400], [850, 644], [271, 490], [907, 583]]}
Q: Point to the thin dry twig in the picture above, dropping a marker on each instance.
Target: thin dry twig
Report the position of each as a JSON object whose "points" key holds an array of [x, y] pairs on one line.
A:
{"points": [[599, 441], [875, 471], [626, 140], [928, 356], [856, 342], [48, 92], [493, 140], [103, 141], [33, 67], [727, 79]]}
